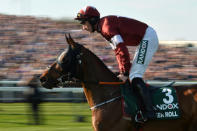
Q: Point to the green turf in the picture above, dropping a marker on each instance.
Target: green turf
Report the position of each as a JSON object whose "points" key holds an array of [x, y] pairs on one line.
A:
{"points": [[56, 117]]}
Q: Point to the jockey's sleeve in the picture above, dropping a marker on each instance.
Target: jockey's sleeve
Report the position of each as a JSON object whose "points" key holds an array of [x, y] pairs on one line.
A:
{"points": [[122, 53], [115, 40]]}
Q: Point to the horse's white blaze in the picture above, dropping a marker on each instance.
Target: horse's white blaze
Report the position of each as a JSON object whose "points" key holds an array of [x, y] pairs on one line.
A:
{"points": [[61, 56]]}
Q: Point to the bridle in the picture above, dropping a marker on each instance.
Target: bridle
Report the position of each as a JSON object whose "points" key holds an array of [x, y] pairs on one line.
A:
{"points": [[70, 68], [74, 58], [68, 65]]}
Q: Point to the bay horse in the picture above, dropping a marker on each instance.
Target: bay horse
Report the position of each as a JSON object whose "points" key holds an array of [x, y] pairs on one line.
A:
{"points": [[104, 100]]}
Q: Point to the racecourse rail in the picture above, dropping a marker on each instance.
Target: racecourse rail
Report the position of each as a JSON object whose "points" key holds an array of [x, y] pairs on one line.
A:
{"points": [[11, 92]]}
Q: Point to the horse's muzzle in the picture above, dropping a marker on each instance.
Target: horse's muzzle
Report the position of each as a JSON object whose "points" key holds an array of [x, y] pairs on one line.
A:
{"points": [[46, 83]]}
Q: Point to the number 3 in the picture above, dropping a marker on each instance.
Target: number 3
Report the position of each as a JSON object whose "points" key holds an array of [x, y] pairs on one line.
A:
{"points": [[169, 95]]}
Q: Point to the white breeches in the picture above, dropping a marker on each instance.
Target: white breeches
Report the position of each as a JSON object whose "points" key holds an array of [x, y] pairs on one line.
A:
{"points": [[144, 53]]}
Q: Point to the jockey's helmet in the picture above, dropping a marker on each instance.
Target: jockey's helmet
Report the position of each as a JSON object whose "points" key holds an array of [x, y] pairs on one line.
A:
{"points": [[89, 14]]}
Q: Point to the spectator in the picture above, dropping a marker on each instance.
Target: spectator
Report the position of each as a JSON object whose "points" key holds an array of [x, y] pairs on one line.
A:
{"points": [[34, 98]]}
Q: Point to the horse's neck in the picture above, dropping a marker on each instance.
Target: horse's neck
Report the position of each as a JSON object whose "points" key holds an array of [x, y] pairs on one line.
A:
{"points": [[97, 74], [96, 71]]}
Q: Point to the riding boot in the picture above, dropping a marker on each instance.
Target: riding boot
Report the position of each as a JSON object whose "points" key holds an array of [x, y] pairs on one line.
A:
{"points": [[145, 97]]}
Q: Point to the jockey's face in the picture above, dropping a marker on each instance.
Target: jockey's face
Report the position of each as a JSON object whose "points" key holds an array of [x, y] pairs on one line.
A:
{"points": [[87, 26]]}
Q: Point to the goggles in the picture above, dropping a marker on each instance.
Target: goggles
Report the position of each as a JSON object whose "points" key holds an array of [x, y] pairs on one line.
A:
{"points": [[79, 15], [81, 18]]}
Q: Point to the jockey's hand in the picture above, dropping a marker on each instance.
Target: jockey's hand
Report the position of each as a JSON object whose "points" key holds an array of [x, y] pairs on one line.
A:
{"points": [[123, 77]]}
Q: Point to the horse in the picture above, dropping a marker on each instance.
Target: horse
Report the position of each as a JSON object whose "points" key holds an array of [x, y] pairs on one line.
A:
{"points": [[104, 98]]}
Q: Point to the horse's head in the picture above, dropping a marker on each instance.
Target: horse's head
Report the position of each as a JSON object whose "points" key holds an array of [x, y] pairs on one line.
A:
{"points": [[67, 63]]}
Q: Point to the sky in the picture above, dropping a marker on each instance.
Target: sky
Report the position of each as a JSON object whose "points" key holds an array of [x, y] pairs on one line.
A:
{"points": [[172, 19]]}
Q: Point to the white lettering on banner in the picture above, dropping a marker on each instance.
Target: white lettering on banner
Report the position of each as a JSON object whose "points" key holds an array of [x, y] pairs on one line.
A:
{"points": [[141, 56], [167, 114], [142, 52], [171, 114], [160, 115], [168, 93], [167, 106]]}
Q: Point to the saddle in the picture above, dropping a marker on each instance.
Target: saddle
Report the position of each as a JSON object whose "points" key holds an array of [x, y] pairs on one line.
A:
{"points": [[164, 99]]}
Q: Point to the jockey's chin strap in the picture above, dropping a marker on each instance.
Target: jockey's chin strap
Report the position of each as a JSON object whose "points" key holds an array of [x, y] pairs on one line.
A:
{"points": [[110, 100]]}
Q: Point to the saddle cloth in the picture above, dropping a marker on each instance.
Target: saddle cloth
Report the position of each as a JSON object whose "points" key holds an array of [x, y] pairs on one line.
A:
{"points": [[164, 100]]}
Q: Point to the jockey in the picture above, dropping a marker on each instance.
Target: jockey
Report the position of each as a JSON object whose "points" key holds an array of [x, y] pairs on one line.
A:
{"points": [[122, 32]]}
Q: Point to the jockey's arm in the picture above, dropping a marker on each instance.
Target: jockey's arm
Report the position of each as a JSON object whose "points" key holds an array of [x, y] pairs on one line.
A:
{"points": [[122, 54]]}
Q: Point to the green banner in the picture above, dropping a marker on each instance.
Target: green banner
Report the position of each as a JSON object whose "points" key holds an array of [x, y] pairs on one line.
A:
{"points": [[164, 99], [165, 103]]}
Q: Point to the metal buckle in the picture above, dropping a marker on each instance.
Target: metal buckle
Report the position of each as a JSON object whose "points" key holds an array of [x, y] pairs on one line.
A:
{"points": [[79, 15], [139, 118]]}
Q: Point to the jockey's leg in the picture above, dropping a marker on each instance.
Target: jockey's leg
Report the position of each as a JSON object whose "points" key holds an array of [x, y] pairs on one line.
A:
{"points": [[145, 97], [142, 58]]}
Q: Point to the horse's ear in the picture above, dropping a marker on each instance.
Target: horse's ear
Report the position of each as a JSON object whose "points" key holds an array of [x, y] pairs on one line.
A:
{"points": [[66, 38], [70, 41]]}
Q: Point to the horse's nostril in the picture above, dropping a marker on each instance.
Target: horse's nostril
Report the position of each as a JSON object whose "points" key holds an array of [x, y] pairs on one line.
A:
{"points": [[43, 79]]}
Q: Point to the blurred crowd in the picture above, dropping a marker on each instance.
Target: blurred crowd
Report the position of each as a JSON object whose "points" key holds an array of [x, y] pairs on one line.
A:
{"points": [[29, 45]]}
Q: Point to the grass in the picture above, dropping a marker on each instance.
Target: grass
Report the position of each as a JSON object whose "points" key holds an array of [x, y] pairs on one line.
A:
{"points": [[56, 117]]}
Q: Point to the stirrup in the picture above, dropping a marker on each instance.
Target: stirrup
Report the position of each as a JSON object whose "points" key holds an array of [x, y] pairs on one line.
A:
{"points": [[139, 117]]}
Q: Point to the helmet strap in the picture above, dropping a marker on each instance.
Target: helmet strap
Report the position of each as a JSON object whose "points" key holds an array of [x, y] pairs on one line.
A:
{"points": [[93, 21], [93, 28]]}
